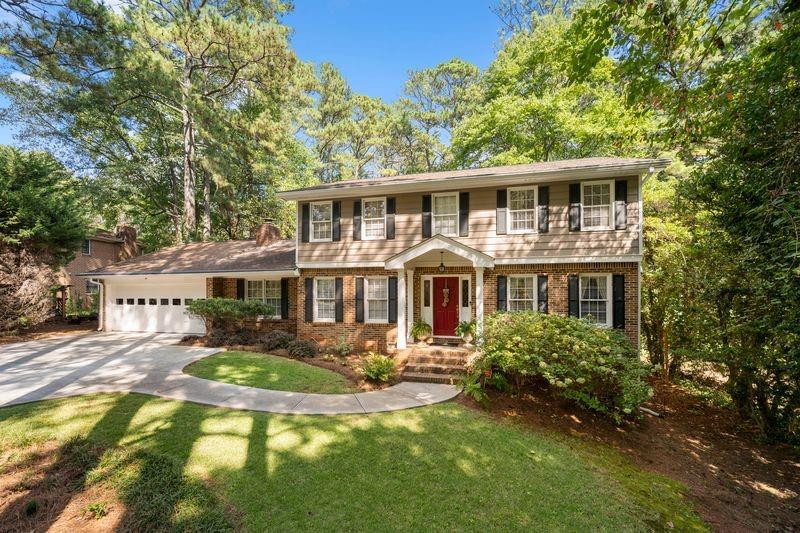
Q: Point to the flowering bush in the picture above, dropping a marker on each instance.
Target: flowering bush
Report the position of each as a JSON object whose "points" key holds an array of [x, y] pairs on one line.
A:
{"points": [[596, 367], [378, 367]]}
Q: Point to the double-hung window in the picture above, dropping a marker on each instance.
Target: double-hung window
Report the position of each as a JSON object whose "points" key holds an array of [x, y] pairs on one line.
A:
{"points": [[373, 219], [597, 200], [522, 293], [377, 300], [324, 300], [522, 209], [86, 247], [594, 298], [321, 221], [267, 291], [92, 287], [445, 214]]}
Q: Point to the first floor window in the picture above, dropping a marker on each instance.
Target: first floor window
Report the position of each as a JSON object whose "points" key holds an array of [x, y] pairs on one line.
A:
{"points": [[321, 221], [377, 290], [92, 287], [522, 293], [522, 209], [594, 298], [324, 299], [267, 291], [373, 219], [445, 214], [596, 201]]}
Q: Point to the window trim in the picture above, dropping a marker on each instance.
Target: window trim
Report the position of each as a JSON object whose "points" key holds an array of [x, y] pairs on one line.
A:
{"points": [[364, 201], [610, 225], [87, 283], [314, 300], [535, 210], [367, 320], [311, 221], [609, 297], [89, 253], [263, 281], [433, 212], [535, 291]]}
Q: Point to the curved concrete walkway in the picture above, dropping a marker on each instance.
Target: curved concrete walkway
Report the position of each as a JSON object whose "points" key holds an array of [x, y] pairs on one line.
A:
{"points": [[151, 363]]}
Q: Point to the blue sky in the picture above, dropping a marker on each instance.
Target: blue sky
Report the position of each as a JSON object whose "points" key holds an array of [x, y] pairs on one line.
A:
{"points": [[375, 42]]}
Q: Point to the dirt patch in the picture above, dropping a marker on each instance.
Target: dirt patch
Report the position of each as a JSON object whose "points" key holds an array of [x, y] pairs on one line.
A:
{"points": [[52, 328], [736, 483], [42, 490]]}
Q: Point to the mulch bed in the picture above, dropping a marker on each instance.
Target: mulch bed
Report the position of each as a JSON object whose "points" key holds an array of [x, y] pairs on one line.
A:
{"points": [[51, 328], [735, 482]]}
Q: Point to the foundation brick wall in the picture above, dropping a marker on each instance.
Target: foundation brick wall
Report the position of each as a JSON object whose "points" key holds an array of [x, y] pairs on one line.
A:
{"points": [[226, 288]]}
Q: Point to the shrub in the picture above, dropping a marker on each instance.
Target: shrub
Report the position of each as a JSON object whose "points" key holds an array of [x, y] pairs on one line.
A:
{"points": [[594, 366], [276, 339], [341, 347], [378, 367], [216, 338], [243, 336], [298, 348], [226, 313]]}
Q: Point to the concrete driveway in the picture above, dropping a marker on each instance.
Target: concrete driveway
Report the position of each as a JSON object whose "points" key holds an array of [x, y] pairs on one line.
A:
{"points": [[151, 363]]}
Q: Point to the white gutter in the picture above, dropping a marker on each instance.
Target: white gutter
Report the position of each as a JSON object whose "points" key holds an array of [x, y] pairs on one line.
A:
{"points": [[169, 276]]}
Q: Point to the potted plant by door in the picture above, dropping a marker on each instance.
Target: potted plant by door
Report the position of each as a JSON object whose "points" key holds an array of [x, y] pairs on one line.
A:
{"points": [[466, 330], [421, 331]]}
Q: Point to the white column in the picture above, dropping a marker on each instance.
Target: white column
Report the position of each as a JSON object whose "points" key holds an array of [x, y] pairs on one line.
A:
{"points": [[409, 301], [401, 309], [479, 299]]}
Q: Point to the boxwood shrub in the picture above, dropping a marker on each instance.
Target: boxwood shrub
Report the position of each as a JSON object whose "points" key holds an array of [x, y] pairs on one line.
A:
{"points": [[226, 313], [593, 366]]}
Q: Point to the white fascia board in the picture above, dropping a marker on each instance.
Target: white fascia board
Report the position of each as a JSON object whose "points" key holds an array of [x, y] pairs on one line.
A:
{"points": [[190, 276], [569, 259], [472, 182], [440, 243], [341, 264]]}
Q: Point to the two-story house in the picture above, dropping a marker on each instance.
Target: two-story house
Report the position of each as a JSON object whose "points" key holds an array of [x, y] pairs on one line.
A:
{"points": [[372, 256]]}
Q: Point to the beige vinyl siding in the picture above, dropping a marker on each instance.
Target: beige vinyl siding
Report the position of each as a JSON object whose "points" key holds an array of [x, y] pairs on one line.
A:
{"points": [[558, 242]]}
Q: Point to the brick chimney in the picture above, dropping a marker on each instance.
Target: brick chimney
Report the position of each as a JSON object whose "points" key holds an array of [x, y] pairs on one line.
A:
{"points": [[265, 234], [130, 247]]}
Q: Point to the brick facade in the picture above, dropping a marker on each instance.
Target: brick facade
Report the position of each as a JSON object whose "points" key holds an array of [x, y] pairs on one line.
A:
{"points": [[219, 287], [381, 337], [101, 254]]}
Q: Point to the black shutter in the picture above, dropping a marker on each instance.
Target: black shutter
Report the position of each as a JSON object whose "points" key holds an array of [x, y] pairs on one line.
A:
{"points": [[572, 291], [618, 307], [393, 300], [304, 222], [240, 289], [309, 311], [426, 216], [357, 220], [574, 206], [391, 207], [544, 209], [463, 214], [339, 300], [620, 204], [541, 286], [502, 212], [359, 300], [336, 231], [285, 297], [501, 293]]}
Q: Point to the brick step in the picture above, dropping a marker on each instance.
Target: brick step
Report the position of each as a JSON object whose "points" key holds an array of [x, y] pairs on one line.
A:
{"points": [[438, 350], [450, 379], [432, 368], [437, 359], [448, 341]]}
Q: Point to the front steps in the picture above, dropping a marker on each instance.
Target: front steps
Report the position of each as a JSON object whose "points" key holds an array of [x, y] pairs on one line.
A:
{"points": [[435, 364]]}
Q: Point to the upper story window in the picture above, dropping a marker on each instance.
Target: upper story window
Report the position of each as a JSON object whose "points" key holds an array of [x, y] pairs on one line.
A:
{"points": [[266, 291], [321, 221], [324, 300], [86, 247], [597, 201], [445, 214], [595, 303], [373, 219], [522, 293], [522, 209], [377, 290]]}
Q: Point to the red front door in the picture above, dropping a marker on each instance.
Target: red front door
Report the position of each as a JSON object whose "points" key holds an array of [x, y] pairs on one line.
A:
{"points": [[445, 306]]}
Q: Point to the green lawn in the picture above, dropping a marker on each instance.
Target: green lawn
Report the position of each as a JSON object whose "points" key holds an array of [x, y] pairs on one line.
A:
{"points": [[269, 372], [443, 467]]}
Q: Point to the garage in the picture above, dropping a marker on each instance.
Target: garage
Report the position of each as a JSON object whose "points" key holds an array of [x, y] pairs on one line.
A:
{"points": [[153, 306]]}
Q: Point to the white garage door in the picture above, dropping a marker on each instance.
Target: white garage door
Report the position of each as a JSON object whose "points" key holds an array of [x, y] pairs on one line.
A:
{"points": [[145, 305]]}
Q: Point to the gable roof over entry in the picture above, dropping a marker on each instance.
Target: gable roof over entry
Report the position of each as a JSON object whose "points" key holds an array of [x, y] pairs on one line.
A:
{"points": [[439, 243]]}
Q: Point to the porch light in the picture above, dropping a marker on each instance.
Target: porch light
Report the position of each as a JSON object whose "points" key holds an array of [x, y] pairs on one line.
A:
{"points": [[441, 263]]}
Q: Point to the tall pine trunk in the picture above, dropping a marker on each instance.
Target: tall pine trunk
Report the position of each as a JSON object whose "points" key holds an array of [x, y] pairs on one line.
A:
{"points": [[206, 207], [189, 203]]}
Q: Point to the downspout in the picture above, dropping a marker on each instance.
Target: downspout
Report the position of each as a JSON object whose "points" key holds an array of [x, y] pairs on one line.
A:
{"points": [[642, 181], [101, 308]]}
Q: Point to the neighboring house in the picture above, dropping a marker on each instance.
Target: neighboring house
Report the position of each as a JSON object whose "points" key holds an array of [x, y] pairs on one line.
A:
{"points": [[102, 248], [372, 256]]}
